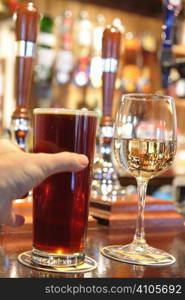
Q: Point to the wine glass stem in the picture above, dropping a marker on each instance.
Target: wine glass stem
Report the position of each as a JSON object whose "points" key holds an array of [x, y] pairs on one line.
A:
{"points": [[140, 233]]}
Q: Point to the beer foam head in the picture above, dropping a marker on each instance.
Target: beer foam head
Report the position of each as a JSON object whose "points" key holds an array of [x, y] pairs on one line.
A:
{"points": [[65, 111]]}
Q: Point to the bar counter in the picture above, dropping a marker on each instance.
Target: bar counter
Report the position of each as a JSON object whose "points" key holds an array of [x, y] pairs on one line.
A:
{"points": [[13, 241]]}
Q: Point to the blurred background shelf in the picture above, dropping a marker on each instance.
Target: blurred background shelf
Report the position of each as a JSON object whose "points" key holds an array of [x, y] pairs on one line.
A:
{"points": [[70, 94], [140, 22]]}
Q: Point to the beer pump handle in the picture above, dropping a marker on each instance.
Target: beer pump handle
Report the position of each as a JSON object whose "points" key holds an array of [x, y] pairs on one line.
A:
{"points": [[110, 55], [26, 25]]}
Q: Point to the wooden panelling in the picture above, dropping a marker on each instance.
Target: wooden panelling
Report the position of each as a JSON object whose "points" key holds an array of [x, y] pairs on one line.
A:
{"points": [[153, 8], [132, 21]]}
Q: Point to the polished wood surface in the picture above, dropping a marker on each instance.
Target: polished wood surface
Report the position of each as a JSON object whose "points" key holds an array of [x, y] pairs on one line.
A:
{"points": [[123, 212], [19, 240]]}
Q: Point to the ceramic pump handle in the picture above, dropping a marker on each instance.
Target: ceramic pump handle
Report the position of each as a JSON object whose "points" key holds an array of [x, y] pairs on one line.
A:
{"points": [[27, 20], [110, 54]]}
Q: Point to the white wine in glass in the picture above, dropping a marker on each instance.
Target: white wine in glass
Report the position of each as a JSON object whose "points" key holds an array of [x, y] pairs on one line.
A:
{"points": [[145, 134]]}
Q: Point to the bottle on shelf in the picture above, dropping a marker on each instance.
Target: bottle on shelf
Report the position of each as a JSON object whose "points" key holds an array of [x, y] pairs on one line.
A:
{"points": [[117, 22], [46, 52], [83, 33], [2, 85], [173, 78], [148, 50], [131, 63], [180, 82], [64, 62], [96, 60]]}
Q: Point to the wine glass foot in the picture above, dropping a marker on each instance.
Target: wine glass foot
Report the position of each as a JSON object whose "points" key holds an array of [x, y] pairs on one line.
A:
{"points": [[141, 254]]}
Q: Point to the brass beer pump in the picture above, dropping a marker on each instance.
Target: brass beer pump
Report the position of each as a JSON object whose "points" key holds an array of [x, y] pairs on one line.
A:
{"points": [[105, 183], [26, 25]]}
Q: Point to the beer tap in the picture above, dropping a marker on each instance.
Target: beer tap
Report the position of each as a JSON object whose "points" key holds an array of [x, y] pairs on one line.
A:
{"points": [[26, 25], [105, 180]]}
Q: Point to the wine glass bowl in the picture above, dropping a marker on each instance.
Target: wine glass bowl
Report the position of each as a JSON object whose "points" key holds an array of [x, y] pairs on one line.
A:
{"points": [[145, 138]]}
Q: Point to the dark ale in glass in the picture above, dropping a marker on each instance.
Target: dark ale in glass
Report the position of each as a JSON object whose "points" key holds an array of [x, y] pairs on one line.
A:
{"points": [[61, 202]]}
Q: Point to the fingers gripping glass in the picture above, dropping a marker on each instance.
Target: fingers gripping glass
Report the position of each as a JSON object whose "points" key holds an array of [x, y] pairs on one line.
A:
{"points": [[144, 145], [60, 203]]}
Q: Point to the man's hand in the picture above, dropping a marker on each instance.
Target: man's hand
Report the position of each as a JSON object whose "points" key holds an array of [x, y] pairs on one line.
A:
{"points": [[21, 171]]}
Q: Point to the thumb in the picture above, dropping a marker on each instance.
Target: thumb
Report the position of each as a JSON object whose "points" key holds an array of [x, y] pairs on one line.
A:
{"points": [[8, 217], [61, 162]]}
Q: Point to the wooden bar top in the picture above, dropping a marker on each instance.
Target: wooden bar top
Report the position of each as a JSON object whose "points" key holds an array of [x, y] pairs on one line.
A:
{"points": [[17, 240]]}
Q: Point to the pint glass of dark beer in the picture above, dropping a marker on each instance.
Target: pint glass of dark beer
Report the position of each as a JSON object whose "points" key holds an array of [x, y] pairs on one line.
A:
{"points": [[61, 202]]}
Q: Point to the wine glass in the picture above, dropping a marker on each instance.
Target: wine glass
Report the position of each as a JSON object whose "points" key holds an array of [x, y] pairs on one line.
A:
{"points": [[145, 138]]}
